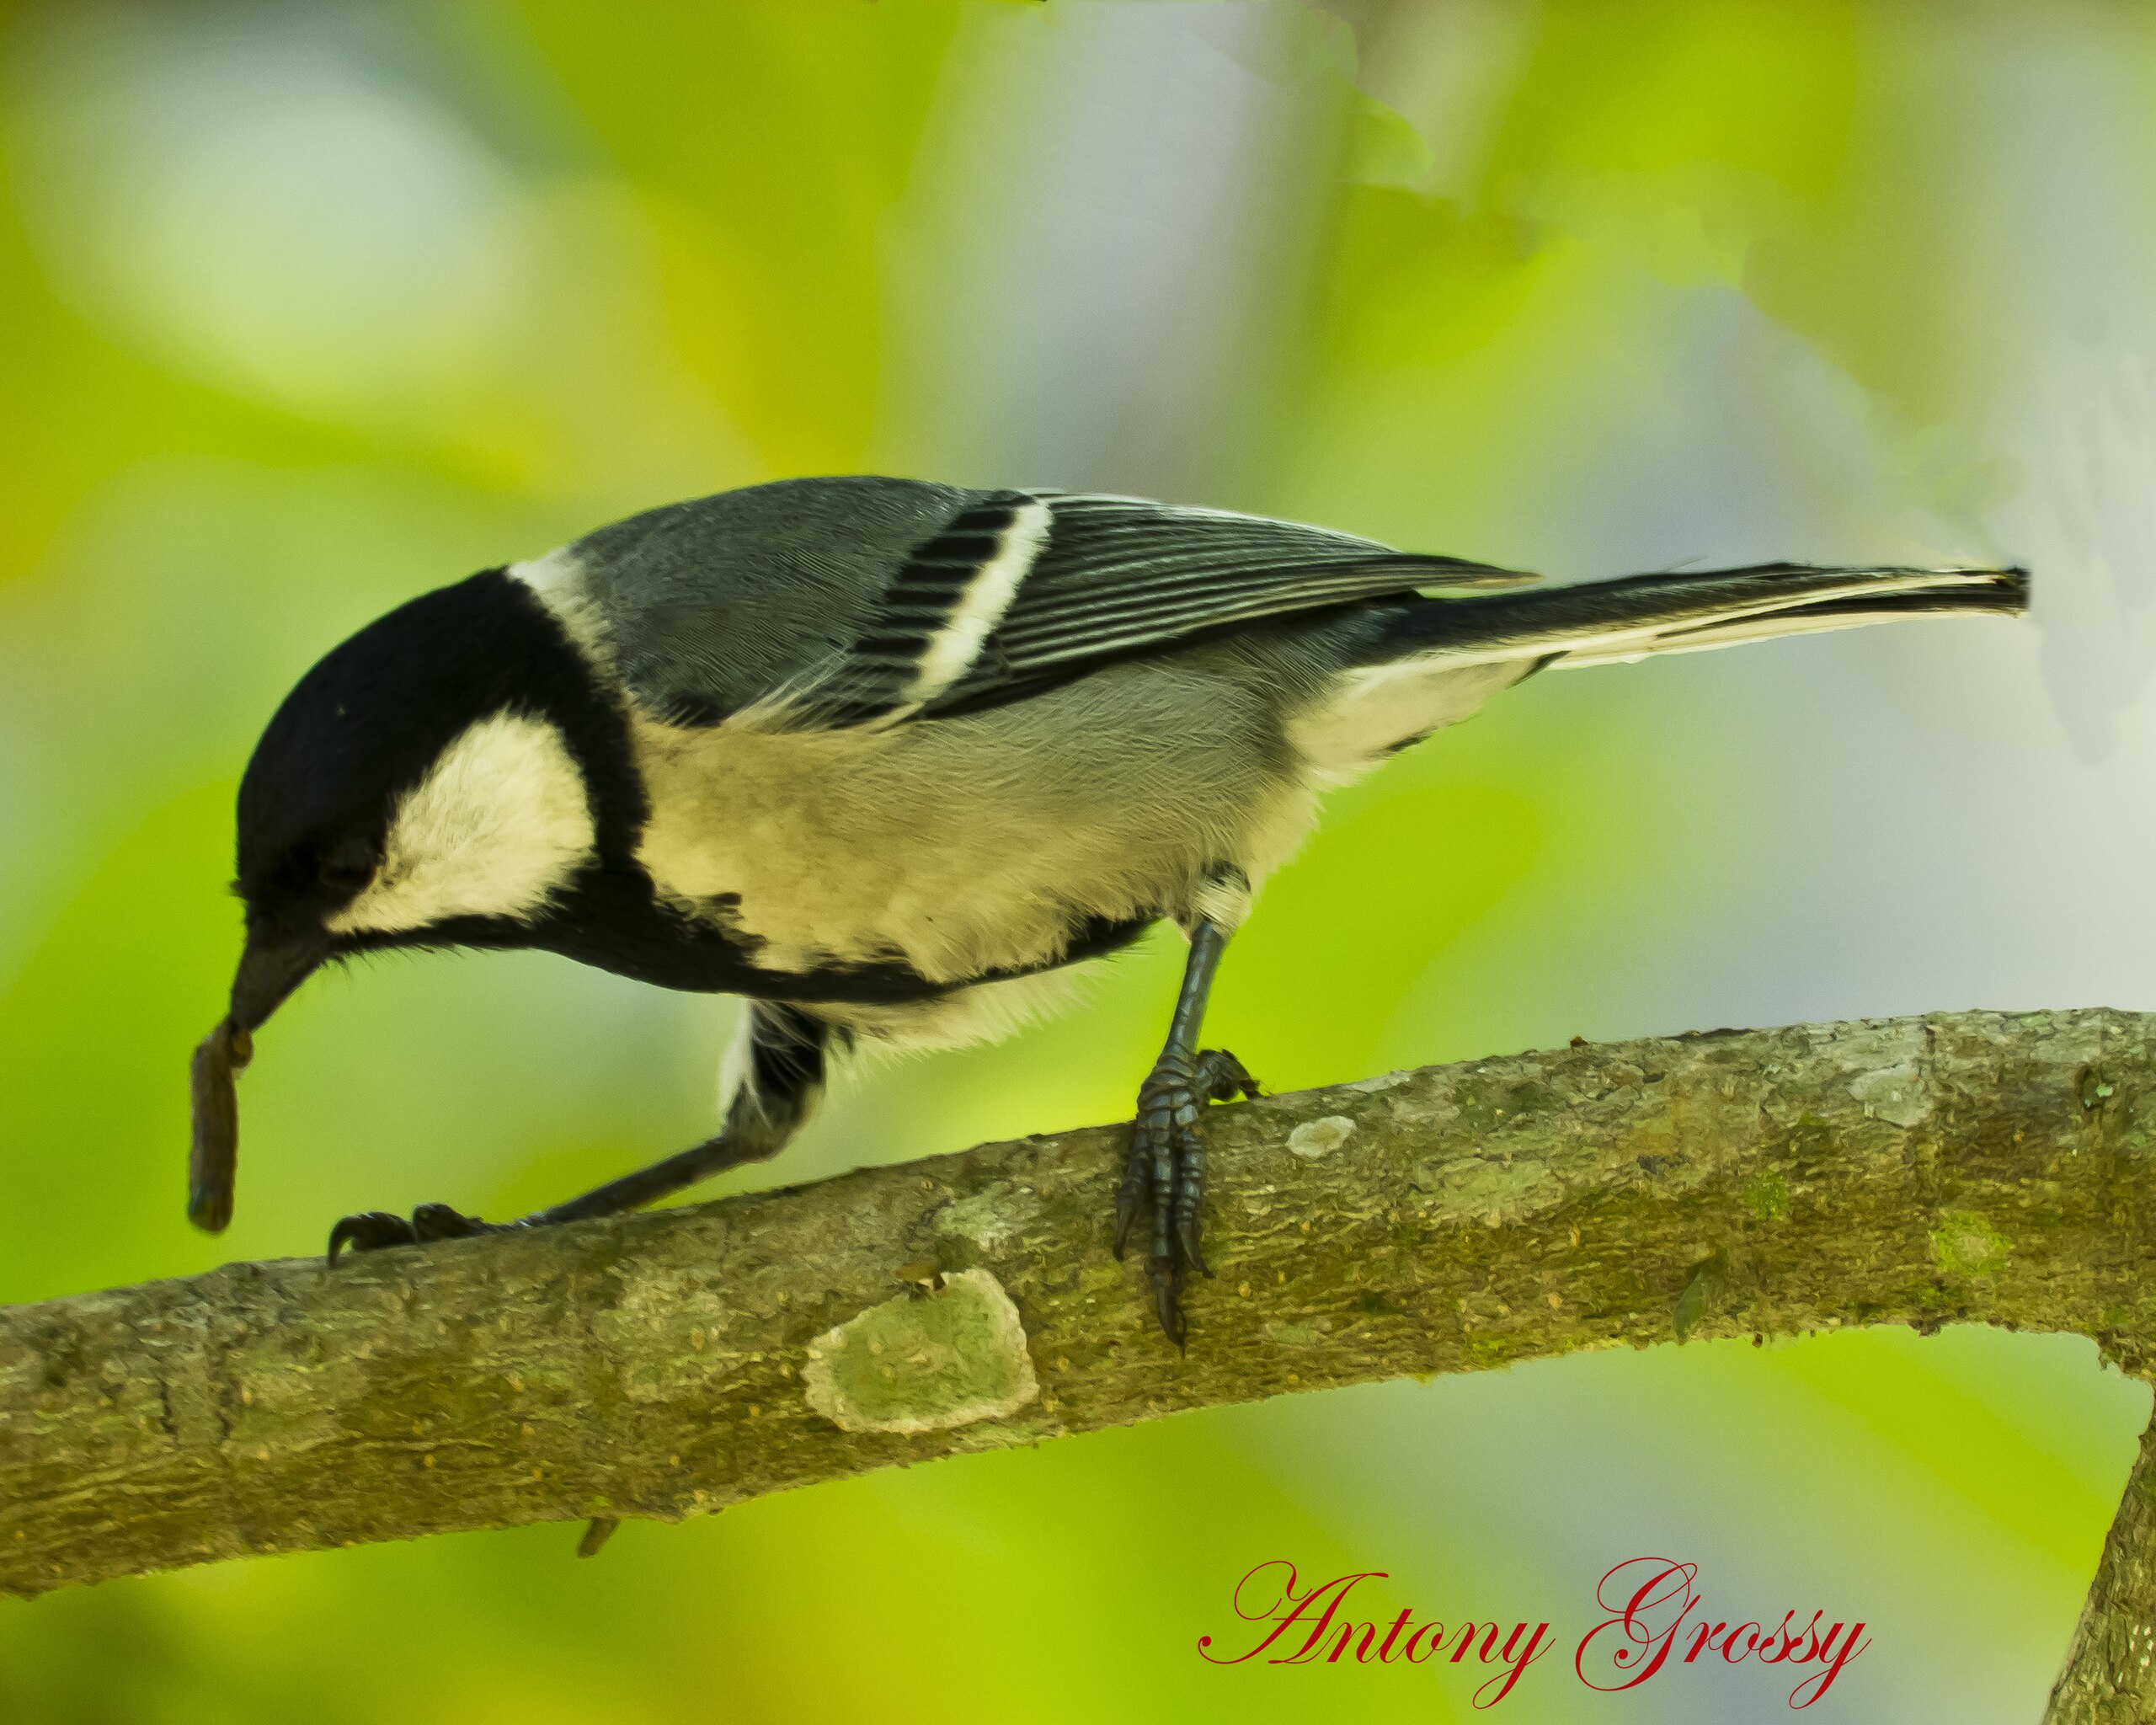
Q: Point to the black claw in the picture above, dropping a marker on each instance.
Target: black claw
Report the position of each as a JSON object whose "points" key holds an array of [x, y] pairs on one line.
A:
{"points": [[1167, 1297], [438, 1221], [1222, 1077], [1166, 1168], [1187, 1244], [1134, 1188], [370, 1231]]}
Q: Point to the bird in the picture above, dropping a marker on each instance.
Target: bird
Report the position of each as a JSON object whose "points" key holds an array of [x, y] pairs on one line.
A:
{"points": [[892, 760]]}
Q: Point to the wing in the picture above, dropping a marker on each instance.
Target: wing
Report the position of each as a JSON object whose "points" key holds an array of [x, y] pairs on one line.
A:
{"points": [[1023, 588], [708, 607]]}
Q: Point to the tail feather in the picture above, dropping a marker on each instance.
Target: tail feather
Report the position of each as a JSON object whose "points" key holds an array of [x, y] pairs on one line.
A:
{"points": [[1606, 622]]}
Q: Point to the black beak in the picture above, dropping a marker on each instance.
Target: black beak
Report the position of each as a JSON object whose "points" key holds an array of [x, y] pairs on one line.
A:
{"points": [[269, 969]]}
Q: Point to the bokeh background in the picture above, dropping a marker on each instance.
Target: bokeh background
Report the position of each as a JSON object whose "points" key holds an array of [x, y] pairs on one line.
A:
{"points": [[307, 307]]}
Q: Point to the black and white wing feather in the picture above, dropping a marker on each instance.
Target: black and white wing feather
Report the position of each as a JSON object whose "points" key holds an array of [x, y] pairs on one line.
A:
{"points": [[1025, 587]]}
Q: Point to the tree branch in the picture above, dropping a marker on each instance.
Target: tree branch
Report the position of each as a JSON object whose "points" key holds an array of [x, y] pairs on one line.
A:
{"points": [[1979, 1167], [2109, 1678]]}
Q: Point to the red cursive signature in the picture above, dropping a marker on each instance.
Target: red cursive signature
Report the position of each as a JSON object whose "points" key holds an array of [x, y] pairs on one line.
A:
{"points": [[1313, 1611], [1652, 1597], [1650, 1604]]}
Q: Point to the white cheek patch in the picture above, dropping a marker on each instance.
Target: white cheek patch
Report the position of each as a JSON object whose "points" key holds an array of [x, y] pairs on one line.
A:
{"points": [[498, 827]]}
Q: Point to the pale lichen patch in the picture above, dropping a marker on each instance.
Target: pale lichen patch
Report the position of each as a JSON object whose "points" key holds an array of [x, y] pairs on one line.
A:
{"points": [[924, 1362], [1316, 1138], [1895, 1094], [984, 1218], [1383, 1082]]}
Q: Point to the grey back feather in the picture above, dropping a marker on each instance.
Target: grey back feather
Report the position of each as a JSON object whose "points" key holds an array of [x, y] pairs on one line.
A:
{"points": [[712, 605], [805, 586]]}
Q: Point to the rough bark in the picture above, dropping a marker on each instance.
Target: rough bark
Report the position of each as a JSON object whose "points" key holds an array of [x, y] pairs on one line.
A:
{"points": [[2109, 1678], [1970, 1166]]}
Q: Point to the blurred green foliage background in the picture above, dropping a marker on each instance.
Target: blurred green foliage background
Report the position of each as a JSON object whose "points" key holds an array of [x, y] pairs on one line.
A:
{"points": [[311, 305]]}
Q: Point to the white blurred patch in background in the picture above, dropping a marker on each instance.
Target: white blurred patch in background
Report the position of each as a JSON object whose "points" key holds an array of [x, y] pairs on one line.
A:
{"points": [[249, 196], [1114, 231], [262, 198]]}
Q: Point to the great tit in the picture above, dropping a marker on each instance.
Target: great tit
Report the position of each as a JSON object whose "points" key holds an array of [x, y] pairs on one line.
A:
{"points": [[890, 759]]}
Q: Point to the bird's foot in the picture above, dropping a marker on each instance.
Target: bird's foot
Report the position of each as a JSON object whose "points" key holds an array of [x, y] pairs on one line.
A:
{"points": [[1167, 1165], [372, 1230]]}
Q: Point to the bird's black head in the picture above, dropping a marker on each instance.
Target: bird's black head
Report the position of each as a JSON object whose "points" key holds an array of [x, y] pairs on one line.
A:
{"points": [[429, 783]]}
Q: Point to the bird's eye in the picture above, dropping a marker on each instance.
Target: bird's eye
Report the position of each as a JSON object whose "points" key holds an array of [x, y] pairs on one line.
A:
{"points": [[346, 866]]}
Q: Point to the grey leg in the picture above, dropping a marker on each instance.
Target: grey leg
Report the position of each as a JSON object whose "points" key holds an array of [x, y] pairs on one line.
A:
{"points": [[1166, 1153], [787, 1050]]}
